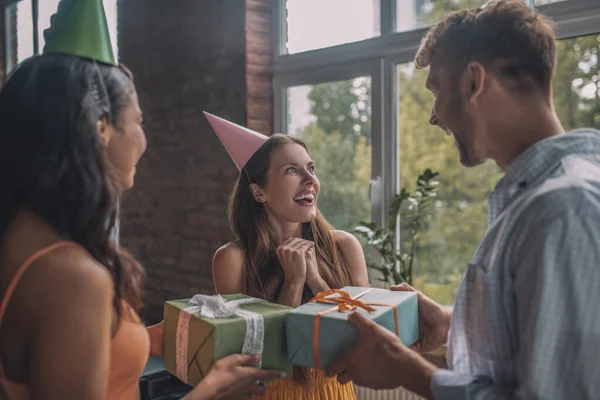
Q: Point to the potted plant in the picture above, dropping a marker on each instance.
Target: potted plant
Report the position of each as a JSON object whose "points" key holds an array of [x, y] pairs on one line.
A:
{"points": [[398, 255]]}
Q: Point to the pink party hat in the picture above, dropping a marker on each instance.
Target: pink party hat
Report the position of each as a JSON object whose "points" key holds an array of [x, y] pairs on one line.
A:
{"points": [[241, 143]]}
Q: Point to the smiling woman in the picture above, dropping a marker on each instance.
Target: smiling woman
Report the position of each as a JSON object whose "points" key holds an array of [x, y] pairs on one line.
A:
{"points": [[291, 188], [285, 251]]}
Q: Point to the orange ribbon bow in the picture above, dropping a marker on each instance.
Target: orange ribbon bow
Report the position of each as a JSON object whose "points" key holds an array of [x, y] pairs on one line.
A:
{"points": [[344, 302]]}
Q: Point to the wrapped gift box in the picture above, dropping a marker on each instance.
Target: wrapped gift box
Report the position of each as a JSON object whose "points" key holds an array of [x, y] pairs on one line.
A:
{"points": [[194, 336], [330, 336]]}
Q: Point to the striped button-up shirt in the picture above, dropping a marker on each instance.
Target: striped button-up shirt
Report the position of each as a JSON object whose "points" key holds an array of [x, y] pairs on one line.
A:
{"points": [[526, 321]]}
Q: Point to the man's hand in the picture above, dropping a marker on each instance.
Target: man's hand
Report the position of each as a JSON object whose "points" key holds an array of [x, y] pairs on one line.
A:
{"points": [[380, 361], [434, 321]]}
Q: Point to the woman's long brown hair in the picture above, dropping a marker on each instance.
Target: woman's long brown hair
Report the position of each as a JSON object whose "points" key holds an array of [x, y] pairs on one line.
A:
{"points": [[263, 276]]}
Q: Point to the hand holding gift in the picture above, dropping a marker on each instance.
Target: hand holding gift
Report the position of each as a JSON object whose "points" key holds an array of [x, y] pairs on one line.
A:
{"points": [[434, 321], [233, 375], [396, 364], [318, 332], [199, 332]]}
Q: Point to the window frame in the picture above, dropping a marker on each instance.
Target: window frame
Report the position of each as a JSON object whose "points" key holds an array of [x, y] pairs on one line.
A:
{"points": [[10, 32]]}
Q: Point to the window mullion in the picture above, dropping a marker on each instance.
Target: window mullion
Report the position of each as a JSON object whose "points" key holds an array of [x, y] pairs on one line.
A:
{"points": [[35, 7], [387, 16]]}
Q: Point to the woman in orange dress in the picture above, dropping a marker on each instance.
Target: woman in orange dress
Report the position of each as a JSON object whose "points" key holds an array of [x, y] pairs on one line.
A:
{"points": [[70, 138], [285, 251]]}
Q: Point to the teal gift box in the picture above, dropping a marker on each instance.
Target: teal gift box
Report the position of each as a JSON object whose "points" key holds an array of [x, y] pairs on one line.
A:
{"points": [[336, 334]]}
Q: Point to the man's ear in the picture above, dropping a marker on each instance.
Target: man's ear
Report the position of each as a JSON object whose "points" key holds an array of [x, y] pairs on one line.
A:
{"points": [[477, 80], [257, 193], [103, 130]]}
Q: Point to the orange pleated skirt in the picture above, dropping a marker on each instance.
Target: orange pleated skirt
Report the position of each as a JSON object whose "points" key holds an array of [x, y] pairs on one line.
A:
{"points": [[321, 387]]}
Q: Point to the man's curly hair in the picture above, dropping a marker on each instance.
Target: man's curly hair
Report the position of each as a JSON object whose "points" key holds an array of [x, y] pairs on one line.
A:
{"points": [[506, 36]]}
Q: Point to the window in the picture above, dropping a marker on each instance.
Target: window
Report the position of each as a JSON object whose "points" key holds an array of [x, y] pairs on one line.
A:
{"points": [[542, 2], [576, 83], [314, 24], [334, 120], [445, 246], [25, 31], [415, 14], [315, 97]]}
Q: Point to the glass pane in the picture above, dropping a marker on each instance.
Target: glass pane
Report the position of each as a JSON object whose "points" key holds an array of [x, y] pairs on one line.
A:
{"points": [[24, 31], [416, 14], [46, 10], [334, 119], [576, 84], [445, 246], [314, 24], [542, 2], [456, 221]]}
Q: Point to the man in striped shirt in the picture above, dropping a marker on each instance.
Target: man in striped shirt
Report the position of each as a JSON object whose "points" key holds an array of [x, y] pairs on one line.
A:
{"points": [[526, 322]]}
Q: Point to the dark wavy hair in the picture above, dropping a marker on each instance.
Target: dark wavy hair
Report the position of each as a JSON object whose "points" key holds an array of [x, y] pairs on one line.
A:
{"points": [[52, 161]]}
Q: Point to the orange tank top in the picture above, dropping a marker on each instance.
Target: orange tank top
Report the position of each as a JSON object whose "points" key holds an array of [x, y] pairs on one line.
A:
{"points": [[129, 350]]}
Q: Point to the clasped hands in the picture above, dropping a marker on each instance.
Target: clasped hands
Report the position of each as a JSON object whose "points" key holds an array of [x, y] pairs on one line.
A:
{"points": [[299, 263]]}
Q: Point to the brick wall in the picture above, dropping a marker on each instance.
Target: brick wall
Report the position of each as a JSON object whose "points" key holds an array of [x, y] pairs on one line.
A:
{"points": [[188, 56], [258, 65]]}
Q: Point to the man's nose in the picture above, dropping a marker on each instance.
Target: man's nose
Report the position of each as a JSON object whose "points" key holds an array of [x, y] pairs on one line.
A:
{"points": [[433, 119]]}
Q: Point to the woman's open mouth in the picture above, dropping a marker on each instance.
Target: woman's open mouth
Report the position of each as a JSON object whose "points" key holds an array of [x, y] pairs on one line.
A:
{"points": [[305, 199]]}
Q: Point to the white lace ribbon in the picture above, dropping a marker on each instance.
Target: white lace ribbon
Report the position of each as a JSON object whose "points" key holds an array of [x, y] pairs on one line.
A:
{"points": [[217, 307]]}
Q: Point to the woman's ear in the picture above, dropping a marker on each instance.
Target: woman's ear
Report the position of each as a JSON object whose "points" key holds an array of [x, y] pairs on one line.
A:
{"points": [[104, 131], [257, 193]]}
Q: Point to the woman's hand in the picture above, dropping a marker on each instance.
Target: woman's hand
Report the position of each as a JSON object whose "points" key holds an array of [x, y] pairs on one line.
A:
{"points": [[313, 278], [312, 269], [292, 257], [234, 374]]}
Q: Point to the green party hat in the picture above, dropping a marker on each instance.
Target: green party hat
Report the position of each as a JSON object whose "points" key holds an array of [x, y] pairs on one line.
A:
{"points": [[79, 28]]}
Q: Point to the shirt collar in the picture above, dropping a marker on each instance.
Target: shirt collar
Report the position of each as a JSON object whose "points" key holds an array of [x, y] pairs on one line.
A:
{"points": [[545, 154], [531, 165]]}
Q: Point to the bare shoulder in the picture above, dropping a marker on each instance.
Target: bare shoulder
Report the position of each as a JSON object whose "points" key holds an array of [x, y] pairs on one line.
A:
{"points": [[72, 311], [346, 240], [354, 256], [228, 267], [77, 282], [229, 254], [72, 268]]}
